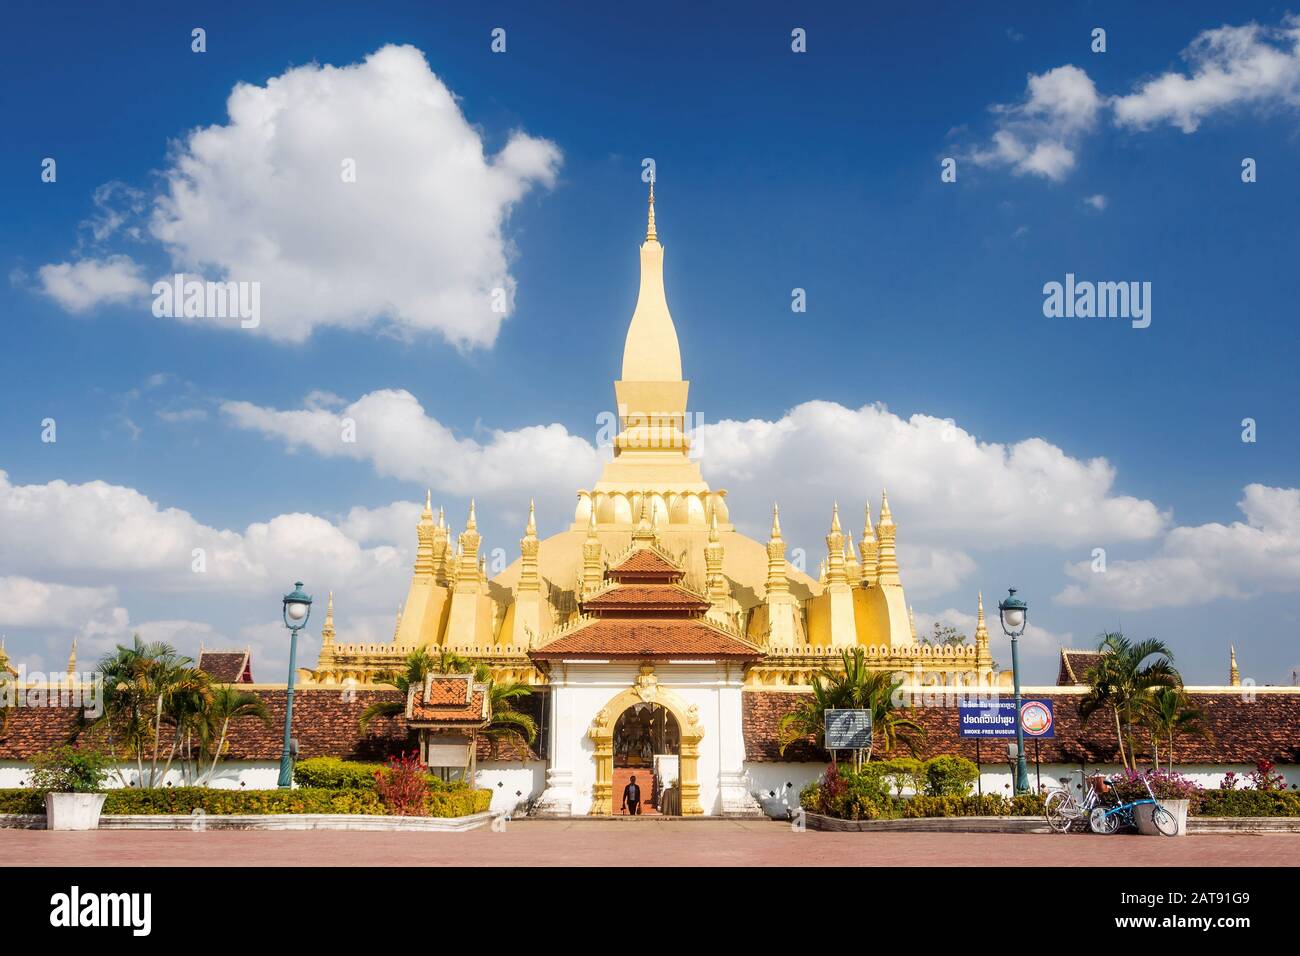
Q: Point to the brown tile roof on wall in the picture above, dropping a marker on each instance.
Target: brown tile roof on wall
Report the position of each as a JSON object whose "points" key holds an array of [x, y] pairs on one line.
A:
{"points": [[324, 722], [647, 637], [1244, 731], [446, 703], [225, 667]]}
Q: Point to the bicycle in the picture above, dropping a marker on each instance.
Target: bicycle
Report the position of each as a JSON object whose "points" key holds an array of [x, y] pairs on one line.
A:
{"points": [[1107, 821], [1063, 810]]}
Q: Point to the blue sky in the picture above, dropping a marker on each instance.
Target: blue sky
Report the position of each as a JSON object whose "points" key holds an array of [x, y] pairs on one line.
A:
{"points": [[776, 171]]}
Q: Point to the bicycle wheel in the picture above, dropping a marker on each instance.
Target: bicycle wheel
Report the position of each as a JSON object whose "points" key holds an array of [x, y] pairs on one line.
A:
{"points": [[1103, 822], [1165, 821], [1060, 810]]}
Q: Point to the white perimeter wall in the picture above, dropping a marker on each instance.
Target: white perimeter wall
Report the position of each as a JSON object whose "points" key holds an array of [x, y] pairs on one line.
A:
{"points": [[230, 775], [512, 784]]}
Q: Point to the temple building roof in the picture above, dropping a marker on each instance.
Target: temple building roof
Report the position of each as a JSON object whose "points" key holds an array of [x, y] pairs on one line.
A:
{"points": [[227, 667]]}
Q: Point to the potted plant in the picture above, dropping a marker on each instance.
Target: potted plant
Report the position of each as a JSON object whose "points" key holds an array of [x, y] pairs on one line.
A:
{"points": [[72, 779]]}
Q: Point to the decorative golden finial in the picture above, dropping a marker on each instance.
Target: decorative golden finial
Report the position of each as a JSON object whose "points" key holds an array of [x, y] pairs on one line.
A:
{"points": [[886, 516], [442, 518], [981, 631], [591, 522], [428, 504], [1234, 676], [650, 233], [327, 629], [713, 526], [471, 523], [532, 517], [776, 521], [72, 658], [835, 517]]}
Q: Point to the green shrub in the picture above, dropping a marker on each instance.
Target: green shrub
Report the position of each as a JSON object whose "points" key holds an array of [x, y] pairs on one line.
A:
{"points": [[902, 773], [183, 801], [22, 800], [69, 769], [1247, 803], [949, 776], [331, 773]]}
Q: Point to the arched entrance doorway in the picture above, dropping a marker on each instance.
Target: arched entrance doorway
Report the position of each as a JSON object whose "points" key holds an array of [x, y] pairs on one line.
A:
{"points": [[689, 733], [647, 745]]}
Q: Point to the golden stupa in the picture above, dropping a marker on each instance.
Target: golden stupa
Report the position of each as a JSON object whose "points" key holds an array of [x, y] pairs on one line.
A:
{"points": [[798, 624]]}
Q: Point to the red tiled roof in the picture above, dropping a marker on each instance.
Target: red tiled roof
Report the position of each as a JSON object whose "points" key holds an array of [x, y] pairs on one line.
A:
{"points": [[226, 667], [647, 637], [448, 699], [647, 597], [1075, 666], [645, 563], [1244, 730]]}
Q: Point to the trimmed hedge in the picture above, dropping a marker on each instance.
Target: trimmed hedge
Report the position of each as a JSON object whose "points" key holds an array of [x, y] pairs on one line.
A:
{"points": [[331, 773], [185, 800], [1247, 803]]}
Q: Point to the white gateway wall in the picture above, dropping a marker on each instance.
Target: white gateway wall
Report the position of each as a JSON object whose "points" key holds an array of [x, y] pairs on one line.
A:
{"points": [[578, 692]]}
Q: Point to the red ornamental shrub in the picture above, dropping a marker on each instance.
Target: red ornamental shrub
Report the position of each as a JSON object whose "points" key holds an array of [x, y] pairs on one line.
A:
{"points": [[402, 786], [1263, 777]]}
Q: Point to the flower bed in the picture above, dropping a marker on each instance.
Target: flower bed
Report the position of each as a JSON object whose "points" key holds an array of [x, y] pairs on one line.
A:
{"points": [[185, 800]]}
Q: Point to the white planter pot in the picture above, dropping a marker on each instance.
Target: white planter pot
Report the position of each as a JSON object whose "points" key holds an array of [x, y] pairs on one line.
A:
{"points": [[73, 811], [1147, 827]]}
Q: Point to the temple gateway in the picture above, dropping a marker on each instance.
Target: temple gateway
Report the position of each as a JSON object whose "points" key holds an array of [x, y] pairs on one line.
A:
{"points": [[644, 626]]}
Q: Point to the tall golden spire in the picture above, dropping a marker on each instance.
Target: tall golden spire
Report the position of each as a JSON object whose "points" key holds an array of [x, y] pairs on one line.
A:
{"points": [[777, 582], [1234, 676], [835, 574], [869, 551], [528, 546], [72, 658], [886, 556], [592, 572], [327, 629], [650, 220], [426, 535]]}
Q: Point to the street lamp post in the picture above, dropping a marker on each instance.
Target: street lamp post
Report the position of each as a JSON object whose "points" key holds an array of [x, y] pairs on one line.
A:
{"points": [[1014, 614], [297, 607]]}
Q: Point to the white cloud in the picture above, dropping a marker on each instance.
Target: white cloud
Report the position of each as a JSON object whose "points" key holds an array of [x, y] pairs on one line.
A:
{"points": [[1202, 563], [28, 603], [101, 532], [415, 244], [1098, 202], [1229, 67], [946, 488], [78, 286], [1039, 135], [400, 440]]}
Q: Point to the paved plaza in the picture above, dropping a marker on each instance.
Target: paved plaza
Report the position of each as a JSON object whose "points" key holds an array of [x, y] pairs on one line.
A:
{"points": [[615, 843]]}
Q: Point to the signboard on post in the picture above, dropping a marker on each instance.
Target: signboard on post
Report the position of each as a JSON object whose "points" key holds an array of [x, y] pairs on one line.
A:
{"points": [[998, 719], [848, 729]]}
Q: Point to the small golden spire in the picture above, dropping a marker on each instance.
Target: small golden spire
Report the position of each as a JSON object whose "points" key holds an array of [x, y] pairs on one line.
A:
{"points": [[776, 521], [72, 658], [428, 505], [471, 523], [650, 233], [532, 517], [442, 518], [835, 517], [713, 526], [886, 516], [327, 630], [1234, 676], [981, 631]]}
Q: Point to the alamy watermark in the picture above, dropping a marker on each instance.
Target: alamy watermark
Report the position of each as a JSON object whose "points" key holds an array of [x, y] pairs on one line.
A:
{"points": [[1098, 300], [181, 298], [56, 689]]}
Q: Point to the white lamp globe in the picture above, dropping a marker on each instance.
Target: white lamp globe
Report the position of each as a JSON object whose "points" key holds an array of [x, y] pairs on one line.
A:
{"points": [[296, 611], [1013, 617]]}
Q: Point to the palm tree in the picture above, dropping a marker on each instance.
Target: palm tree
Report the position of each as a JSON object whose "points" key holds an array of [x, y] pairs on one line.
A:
{"points": [[505, 721], [1167, 712], [138, 681], [188, 694], [1122, 678], [419, 664], [855, 687], [225, 704]]}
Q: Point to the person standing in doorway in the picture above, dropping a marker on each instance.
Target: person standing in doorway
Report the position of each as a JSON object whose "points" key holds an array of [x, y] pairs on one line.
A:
{"points": [[632, 797]]}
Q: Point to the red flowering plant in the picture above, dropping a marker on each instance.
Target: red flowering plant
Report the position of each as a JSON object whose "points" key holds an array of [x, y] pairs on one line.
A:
{"points": [[402, 785], [1263, 777], [1229, 781], [1164, 784]]}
